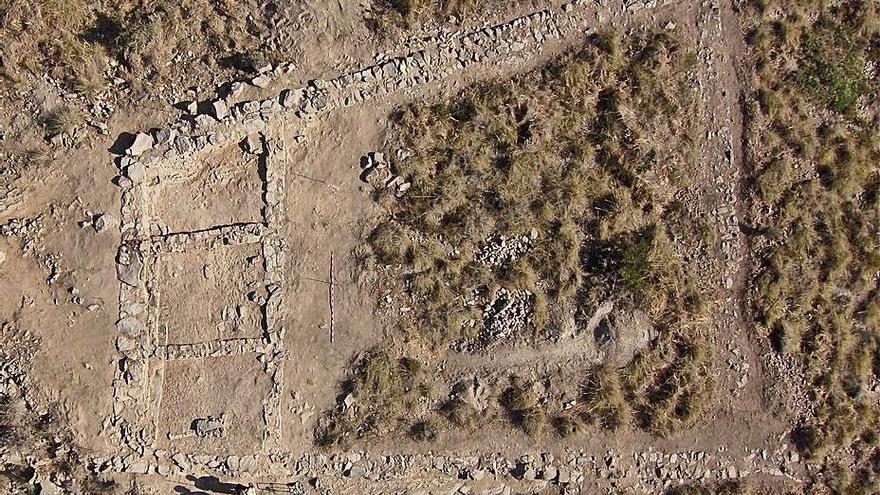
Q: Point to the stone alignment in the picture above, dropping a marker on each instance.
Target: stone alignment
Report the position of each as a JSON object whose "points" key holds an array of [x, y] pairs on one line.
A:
{"points": [[262, 124], [143, 340], [142, 348]]}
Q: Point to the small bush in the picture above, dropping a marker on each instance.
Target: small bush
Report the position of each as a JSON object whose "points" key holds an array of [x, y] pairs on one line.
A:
{"points": [[605, 400], [832, 68], [62, 119], [522, 403]]}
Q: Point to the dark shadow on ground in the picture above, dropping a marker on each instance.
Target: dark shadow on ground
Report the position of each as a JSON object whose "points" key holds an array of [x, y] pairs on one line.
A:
{"points": [[214, 485], [122, 143]]}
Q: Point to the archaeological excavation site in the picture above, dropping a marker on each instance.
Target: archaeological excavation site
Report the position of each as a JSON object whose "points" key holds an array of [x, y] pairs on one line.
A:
{"points": [[439, 247]]}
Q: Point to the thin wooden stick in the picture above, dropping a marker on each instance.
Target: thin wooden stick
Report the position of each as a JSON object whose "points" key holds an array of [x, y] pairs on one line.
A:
{"points": [[310, 178], [331, 297]]}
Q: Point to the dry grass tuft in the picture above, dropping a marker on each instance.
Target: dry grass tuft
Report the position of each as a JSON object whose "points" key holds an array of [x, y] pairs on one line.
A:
{"points": [[814, 151], [73, 41], [385, 392], [523, 405], [559, 152], [62, 119], [604, 396]]}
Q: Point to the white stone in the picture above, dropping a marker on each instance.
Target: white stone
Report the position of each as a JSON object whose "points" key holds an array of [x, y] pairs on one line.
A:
{"points": [[142, 142], [130, 326], [136, 172], [104, 221], [261, 81], [219, 109]]}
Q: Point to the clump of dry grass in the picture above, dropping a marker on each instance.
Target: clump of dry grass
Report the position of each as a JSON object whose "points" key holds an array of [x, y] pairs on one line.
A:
{"points": [[813, 148], [604, 396], [559, 151], [573, 152], [385, 392], [524, 409], [62, 119], [73, 41]]}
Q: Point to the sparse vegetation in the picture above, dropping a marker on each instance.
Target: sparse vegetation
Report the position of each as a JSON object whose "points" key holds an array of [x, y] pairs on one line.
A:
{"points": [[719, 488], [62, 119], [74, 41], [36, 439], [45, 36], [581, 157], [816, 216], [386, 14], [661, 390], [381, 395], [496, 161]]}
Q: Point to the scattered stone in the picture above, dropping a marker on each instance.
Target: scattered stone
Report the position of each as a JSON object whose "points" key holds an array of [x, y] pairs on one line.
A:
{"points": [[136, 172], [253, 144], [549, 473], [475, 474], [219, 109], [348, 401], [104, 221], [372, 176], [142, 143], [125, 344], [49, 488], [131, 308], [209, 427], [378, 159], [355, 472], [500, 249], [204, 121], [163, 136], [292, 97], [261, 81], [247, 463], [130, 326], [128, 266], [394, 181], [402, 188], [181, 461], [507, 313], [236, 89], [183, 145]]}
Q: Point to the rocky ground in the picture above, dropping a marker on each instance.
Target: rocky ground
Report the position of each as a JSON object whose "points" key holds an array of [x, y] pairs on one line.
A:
{"points": [[179, 282]]}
